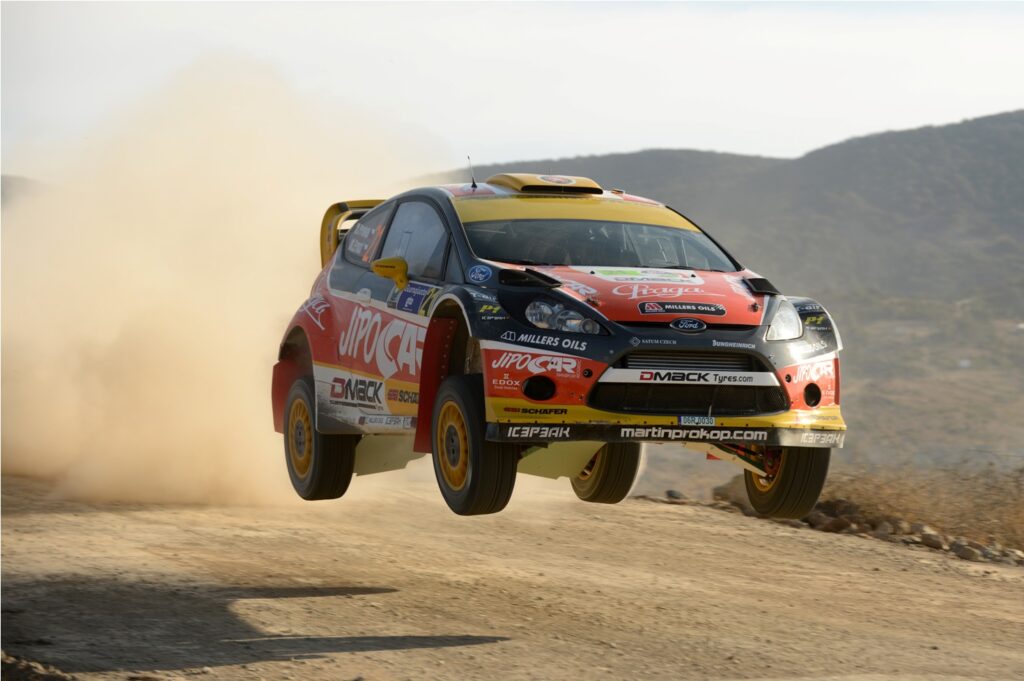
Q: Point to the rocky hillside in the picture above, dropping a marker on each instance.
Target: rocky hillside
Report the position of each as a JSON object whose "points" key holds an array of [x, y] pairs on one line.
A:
{"points": [[913, 239]]}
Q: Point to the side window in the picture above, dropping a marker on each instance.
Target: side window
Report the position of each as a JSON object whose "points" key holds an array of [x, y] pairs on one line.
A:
{"points": [[362, 240], [453, 269], [418, 235]]}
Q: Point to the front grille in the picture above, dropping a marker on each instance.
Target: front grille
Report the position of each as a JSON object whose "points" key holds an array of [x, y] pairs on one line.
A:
{"points": [[695, 360], [688, 400]]}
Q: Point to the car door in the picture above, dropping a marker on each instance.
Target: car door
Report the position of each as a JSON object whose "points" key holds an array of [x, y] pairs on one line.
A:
{"points": [[419, 234]]}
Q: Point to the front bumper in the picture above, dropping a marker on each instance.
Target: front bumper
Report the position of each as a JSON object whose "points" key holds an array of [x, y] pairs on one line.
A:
{"points": [[822, 427]]}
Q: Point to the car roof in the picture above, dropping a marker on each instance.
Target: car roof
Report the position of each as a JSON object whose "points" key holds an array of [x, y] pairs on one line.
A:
{"points": [[528, 196]]}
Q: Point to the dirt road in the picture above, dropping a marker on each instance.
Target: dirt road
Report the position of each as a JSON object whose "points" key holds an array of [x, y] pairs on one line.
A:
{"points": [[389, 584]]}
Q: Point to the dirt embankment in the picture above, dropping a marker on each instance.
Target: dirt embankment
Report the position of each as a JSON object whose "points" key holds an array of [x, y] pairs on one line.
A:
{"points": [[388, 584]]}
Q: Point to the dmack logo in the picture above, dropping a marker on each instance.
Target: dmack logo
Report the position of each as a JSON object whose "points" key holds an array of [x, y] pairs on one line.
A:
{"points": [[536, 364], [815, 371], [398, 345], [676, 376], [357, 391]]}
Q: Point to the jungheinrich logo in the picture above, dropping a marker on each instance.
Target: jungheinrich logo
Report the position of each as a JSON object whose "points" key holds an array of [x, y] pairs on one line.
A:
{"points": [[688, 325]]}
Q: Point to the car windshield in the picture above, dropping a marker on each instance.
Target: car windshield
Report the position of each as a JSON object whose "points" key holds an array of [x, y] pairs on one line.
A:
{"points": [[595, 243]]}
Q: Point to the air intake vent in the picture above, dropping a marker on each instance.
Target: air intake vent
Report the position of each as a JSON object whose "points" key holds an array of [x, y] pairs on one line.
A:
{"points": [[690, 360], [546, 184]]}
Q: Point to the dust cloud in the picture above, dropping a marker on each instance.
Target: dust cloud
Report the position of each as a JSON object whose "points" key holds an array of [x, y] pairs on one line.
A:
{"points": [[146, 287]]}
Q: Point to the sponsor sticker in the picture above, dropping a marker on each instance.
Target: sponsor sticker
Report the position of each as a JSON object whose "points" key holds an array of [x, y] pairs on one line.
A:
{"points": [[479, 273], [532, 411], [384, 345], [699, 434], [682, 308], [536, 363], [637, 291], [809, 307], [545, 340], [631, 274], [538, 432], [315, 308], [388, 421], [357, 392], [482, 295], [816, 371], [689, 377], [801, 348], [505, 384], [403, 396], [730, 344], [413, 298], [817, 437], [579, 288]]}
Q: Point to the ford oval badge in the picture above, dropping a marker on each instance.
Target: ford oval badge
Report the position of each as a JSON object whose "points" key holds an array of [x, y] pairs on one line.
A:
{"points": [[688, 325]]}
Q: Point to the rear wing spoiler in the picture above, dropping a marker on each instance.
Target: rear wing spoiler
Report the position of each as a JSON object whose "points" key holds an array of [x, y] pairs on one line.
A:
{"points": [[330, 226]]}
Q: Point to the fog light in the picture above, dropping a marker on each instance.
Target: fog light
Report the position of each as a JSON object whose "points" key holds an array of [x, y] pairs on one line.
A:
{"points": [[539, 388], [812, 395]]}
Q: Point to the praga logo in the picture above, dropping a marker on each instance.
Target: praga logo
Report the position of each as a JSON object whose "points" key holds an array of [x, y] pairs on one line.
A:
{"points": [[383, 347], [356, 392], [636, 291], [536, 364], [816, 371]]}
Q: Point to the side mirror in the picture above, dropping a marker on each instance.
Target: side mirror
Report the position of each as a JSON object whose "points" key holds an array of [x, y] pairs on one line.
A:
{"points": [[395, 269]]}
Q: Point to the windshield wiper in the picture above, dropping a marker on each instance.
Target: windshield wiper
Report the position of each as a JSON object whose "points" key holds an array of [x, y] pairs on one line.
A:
{"points": [[688, 267], [527, 262]]}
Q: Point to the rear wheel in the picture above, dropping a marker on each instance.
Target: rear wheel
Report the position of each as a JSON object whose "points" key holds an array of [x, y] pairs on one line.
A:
{"points": [[793, 479], [475, 476], [608, 477], [319, 465]]}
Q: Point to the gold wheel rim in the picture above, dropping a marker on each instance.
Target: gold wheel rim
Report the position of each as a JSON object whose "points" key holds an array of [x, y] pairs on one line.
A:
{"points": [[300, 438], [452, 446], [765, 483]]}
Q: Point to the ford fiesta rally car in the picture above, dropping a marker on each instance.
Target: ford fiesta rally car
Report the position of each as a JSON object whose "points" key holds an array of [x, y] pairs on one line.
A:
{"points": [[542, 325]]}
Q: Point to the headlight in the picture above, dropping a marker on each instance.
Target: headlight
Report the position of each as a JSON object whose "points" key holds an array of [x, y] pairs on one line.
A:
{"points": [[786, 325], [547, 314]]}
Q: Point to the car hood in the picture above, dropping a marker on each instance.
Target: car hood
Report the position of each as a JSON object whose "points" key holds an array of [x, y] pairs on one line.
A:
{"points": [[649, 294]]}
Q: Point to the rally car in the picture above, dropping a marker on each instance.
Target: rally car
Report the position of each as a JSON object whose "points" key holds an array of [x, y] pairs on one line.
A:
{"points": [[540, 324]]}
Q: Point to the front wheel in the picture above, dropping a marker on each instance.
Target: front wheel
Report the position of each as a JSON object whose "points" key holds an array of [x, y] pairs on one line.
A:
{"points": [[793, 479], [319, 465], [609, 475], [475, 476]]}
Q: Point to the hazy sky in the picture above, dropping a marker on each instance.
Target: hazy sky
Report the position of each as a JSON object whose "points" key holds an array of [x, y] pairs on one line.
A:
{"points": [[532, 80]]}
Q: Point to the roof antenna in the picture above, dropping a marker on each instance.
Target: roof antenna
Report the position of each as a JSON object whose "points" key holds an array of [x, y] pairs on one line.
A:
{"points": [[472, 175]]}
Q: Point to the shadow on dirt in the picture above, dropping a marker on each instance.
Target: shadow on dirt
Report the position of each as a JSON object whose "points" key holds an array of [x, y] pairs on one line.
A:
{"points": [[84, 625]]}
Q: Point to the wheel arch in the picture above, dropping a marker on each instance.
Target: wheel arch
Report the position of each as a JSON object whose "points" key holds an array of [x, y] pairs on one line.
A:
{"points": [[294, 359], [450, 348]]}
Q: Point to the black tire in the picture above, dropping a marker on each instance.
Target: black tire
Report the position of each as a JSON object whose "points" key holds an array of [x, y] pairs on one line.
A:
{"points": [[475, 476], [795, 487], [320, 466], [609, 476]]}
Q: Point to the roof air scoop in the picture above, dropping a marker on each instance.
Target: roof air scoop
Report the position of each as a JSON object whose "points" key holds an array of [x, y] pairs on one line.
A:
{"points": [[527, 183]]}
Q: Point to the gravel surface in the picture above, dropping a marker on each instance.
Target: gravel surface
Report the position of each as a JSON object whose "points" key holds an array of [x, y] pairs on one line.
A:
{"points": [[389, 584]]}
